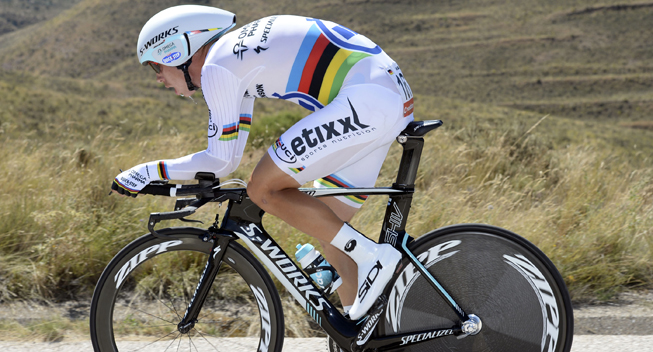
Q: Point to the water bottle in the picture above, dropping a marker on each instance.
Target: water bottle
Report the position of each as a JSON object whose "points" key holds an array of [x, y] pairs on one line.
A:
{"points": [[317, 267]]}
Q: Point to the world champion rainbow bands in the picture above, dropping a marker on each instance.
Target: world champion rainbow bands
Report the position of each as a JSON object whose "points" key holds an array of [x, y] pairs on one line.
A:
{"points": [[245, 122], [163, 170], [297, 169], [332, 181], [320, 67], [230, 131], [130, 190]]}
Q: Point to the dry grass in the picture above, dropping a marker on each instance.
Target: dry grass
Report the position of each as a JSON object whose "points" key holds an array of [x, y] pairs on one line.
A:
{"points": [[587, 207], [579, 184]]}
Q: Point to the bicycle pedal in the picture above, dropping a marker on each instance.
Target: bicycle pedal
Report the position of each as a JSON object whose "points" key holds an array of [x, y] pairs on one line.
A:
{"points": [[371, 321]]}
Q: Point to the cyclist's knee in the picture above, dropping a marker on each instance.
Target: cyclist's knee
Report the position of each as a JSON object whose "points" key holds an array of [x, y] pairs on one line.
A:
{"points": [[266, 181], [257, 191], [262, 190]]}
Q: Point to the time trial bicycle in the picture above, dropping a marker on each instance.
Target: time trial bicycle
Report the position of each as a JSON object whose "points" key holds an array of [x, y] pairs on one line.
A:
{"points": [[468, 287]]}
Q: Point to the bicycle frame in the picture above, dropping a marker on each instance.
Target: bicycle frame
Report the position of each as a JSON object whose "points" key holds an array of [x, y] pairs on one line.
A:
{"points": [[243, 220]]}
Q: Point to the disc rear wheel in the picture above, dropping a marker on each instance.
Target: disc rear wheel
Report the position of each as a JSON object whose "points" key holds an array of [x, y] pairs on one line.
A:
{"points": [[514, 289]]}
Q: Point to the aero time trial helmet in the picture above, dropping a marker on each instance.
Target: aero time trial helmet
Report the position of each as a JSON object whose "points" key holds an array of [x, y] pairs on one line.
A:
{"points": [[172, 36]]}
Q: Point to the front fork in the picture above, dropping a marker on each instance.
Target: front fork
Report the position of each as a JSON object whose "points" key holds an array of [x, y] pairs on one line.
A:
{"points": [[214, 261]]}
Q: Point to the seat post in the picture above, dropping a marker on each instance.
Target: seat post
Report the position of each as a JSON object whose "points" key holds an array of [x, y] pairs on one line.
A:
{"points": [[396, 213], [410, 158]]}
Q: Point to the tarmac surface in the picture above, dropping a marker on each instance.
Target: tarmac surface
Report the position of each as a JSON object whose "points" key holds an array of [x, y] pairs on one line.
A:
{"points": [[582, 343], [624, 325]]}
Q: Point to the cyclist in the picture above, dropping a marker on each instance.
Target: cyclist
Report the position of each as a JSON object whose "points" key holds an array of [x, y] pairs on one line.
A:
{"points": [[360, 103]]}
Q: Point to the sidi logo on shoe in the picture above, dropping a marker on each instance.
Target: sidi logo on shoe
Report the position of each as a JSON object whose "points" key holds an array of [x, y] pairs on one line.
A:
{"points": [[350, 246], [369, 280]]}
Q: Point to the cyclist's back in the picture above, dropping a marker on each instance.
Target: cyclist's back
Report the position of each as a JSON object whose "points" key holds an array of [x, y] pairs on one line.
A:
{"points": [[309, 62], [303, 60]]}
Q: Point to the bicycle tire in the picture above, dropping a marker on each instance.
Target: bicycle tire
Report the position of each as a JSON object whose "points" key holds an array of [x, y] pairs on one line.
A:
{"points": [[515, 290], [145, 290]]}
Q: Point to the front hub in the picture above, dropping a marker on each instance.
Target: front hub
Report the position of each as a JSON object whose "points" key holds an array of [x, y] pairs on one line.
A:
{"points": [[185, 328]]}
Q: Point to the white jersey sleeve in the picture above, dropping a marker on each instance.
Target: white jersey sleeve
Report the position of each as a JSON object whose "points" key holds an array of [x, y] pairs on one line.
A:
{"points": [[230, 118]]}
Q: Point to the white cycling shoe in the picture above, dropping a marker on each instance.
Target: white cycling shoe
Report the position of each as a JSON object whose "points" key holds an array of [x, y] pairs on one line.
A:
{"points": [[373, 275]]}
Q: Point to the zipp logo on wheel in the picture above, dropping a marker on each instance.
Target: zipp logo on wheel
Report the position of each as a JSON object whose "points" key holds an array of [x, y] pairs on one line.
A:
{"points": [[544, 292], [141, 257]]}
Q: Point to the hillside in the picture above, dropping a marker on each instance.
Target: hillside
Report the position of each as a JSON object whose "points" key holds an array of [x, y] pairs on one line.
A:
{"points": [[76, 107], [572, 59], [18, 14]]}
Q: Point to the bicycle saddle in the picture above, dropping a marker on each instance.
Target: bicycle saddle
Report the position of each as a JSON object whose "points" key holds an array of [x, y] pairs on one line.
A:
{"points": [[420, 128]]}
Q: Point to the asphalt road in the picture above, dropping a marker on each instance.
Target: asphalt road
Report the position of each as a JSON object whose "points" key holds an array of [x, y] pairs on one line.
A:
{"points": [[626, 326], [582, 343]]}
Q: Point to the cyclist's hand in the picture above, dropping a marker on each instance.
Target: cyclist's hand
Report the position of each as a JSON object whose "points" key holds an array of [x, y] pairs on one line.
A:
{"points": [[130, 182]]}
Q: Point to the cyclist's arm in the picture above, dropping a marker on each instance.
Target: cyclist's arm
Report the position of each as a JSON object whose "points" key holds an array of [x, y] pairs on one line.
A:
{"points": [[225, 150], [230, 113], [230, 116]]}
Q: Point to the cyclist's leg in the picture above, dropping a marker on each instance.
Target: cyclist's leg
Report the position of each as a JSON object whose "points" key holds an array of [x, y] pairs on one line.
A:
{"points": [[359, 121], [360, 174], [345, 266], [278, 194]]}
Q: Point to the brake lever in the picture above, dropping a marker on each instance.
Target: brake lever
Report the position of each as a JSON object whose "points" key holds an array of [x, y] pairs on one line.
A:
{"points": [[155, 218], [180, 214]]}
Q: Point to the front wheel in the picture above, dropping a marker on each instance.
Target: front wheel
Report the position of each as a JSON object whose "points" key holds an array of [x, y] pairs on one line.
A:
{"points": [[143, 294], [500, 277]]}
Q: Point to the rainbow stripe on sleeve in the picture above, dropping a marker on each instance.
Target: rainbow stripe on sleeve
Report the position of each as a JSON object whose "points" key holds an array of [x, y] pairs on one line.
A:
{"points": [[130, 190], [163, 170], [245, 122], [229, 132]]}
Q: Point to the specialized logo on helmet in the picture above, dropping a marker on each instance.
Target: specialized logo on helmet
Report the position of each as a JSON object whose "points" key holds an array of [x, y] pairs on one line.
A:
{"points": [[172, 57], [163, 35]]}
